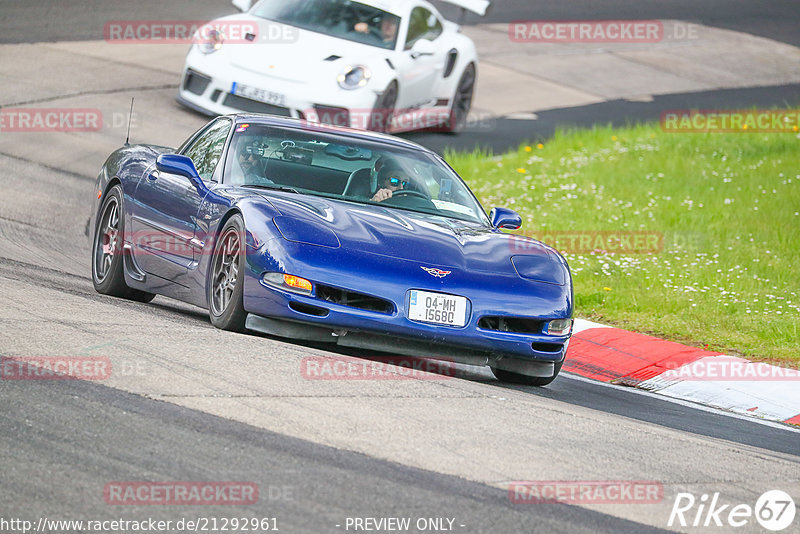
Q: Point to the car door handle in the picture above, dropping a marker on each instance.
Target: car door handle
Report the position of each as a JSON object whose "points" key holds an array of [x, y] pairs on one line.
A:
{"points": [[153, 176]]}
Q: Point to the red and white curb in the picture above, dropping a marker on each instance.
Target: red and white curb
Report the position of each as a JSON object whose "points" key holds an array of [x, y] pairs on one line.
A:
{"points": [[617, 356]]}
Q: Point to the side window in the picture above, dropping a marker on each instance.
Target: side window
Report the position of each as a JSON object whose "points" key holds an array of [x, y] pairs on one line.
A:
{"points": [[206, 150], [422, 24]]}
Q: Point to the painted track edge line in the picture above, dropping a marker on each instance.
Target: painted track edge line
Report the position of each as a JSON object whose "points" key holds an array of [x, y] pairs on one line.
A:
{"points": [[682, 402]]}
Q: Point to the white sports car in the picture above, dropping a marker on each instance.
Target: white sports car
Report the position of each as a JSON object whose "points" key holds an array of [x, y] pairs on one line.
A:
{"points": [[375, 64]]}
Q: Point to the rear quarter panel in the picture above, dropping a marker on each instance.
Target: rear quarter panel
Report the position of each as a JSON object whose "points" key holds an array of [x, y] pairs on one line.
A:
{"points": [[125, 165]]}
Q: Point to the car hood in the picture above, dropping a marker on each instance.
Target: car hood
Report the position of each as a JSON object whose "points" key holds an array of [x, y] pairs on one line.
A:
{"points": [[302, 60], [432, 241]]}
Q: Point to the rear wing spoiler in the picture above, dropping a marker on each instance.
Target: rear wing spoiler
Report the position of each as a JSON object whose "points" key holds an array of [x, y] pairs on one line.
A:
{"points": [[479, 7]]}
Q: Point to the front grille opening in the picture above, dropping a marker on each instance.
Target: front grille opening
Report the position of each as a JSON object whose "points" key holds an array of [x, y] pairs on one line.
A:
{"points": [[246, 104], [308, 309], [547, 347], [354, 300], [517, 325], [195, 82], [332, 115]]}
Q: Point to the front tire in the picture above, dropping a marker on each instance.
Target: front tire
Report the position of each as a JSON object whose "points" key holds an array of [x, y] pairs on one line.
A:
{"points": [[108, 276], [226, 282], [381, 116], [462, 101], [516, 378]]}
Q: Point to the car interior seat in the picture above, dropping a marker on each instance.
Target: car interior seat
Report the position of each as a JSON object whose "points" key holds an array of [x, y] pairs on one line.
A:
{"points": [[360, 184]]}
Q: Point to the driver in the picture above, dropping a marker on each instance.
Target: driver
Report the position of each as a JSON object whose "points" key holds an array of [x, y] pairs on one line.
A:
{"points": [[391, 178], [388, 28], [248, 162]]}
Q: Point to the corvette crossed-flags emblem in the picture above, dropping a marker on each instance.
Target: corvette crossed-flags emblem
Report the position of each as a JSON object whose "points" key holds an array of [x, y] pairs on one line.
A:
{"points": [[438, 273]]}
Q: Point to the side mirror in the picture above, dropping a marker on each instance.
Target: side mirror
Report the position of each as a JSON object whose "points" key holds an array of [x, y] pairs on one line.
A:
{"points": [[180, 165], [505, 218], [423, 47], [242, 5]]}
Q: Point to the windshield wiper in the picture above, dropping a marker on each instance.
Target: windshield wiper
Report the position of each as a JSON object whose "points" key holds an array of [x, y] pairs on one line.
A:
{"points": [[283, 188]]}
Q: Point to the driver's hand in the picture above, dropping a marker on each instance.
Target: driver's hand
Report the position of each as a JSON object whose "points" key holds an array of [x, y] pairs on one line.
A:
{"points": [[361, 27], [381, 195]]}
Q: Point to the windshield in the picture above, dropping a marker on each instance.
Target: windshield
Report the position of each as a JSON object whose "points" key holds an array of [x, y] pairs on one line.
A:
{"points": [[349, 169], [338, 18]]}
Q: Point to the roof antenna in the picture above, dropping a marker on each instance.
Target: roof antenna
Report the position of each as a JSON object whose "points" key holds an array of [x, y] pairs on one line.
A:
{"points": [[130, 118]]}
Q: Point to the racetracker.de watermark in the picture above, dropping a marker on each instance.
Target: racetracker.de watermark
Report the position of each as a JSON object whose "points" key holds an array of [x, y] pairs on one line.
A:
{"points": [[55, 368], [50, 120], [430, 119], [593, 241], [586, 492], [731, 121], [180, 493], [148, 242], [601, 31], [198, 31], [731, 369], [382, 368], [586, 31]]}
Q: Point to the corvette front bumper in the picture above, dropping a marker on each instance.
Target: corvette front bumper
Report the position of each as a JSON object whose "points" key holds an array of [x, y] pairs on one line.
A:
{"points": [[286, 314]]}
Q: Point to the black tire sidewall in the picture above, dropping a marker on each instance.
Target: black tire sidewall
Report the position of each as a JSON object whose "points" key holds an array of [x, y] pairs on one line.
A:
{"points": [[114, 282], [380, 114], [456, 124], [233, 318]]}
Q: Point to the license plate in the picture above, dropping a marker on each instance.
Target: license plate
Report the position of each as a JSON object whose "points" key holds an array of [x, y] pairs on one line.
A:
{"points": [[256, 93], [437, 308]]}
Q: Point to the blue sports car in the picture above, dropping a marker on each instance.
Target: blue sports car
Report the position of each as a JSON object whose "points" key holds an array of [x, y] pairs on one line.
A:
{"points": [[321, 233]]}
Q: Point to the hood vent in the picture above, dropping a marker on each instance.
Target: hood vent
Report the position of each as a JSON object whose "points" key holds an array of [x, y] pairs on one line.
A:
{"points": [[332, 57]]}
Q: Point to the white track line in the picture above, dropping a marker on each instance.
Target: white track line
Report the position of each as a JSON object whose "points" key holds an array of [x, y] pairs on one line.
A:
{"points": [[702, 407]]}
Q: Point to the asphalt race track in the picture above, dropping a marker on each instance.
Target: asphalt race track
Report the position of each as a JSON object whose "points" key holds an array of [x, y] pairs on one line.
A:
{"points": [[188, 402], [73, 20], [42, 20]]}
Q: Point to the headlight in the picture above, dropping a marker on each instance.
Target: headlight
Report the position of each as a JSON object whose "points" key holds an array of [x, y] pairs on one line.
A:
{"points": [[209, 40], [354, 77], [559, 327]]}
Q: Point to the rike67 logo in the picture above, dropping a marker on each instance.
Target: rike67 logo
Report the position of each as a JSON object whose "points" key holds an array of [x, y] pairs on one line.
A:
{"points": [[774, 510]]}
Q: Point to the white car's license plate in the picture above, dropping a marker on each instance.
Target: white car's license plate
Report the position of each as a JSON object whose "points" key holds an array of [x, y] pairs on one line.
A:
{"points": [[437, 308], [256, 93]]}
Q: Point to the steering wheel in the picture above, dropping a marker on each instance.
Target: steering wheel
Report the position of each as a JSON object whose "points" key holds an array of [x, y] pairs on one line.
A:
{"points": [[372, 31], [415, 199], [362, 13], [409, 193], [363, 16]]}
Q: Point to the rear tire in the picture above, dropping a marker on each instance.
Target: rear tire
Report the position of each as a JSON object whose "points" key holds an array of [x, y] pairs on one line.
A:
{"points": [[108, 276], [516, 378], [226, 281]]}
